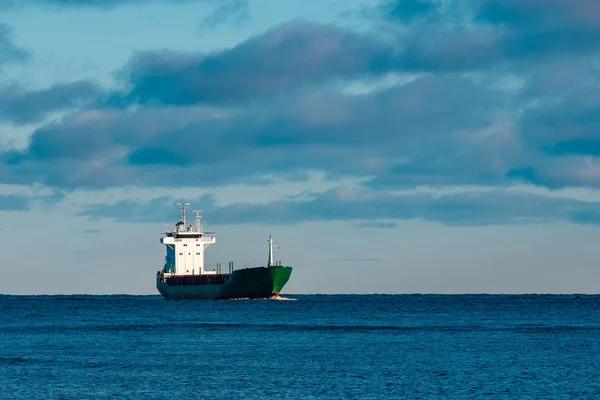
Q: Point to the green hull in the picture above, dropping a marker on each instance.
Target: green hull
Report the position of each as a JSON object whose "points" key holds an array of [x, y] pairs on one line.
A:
{"points": [[259, 282]]}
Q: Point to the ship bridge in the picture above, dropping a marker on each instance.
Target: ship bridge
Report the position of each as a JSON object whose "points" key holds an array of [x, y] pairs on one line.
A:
{"points": [[185, 246]]}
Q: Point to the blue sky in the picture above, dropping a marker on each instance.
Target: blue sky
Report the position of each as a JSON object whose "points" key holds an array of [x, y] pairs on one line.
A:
{"points": [[389, 146]]}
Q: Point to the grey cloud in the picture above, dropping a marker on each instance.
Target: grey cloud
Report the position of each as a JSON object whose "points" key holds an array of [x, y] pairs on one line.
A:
{"points": [[289, 56], [293, 56], [409, 10], [495, 207], [159, 209], [559, 172], [267, 108], [231, 12], [543, 27], [302, 54], [21, 106], [329, 132], [539, 13], [559, 125], [491, 34], [565, 97]]}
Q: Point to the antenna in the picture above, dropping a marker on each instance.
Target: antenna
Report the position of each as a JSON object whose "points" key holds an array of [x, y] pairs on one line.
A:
{"points": [[198, 226], [183, 212]]}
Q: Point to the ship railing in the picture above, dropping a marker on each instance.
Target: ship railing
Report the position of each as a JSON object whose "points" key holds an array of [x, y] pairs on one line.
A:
{"points": [[184, 280]]}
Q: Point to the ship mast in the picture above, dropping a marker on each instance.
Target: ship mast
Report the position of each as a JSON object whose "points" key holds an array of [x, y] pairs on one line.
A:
{"points": [[183, 216], [271, 263], [198, 226]]}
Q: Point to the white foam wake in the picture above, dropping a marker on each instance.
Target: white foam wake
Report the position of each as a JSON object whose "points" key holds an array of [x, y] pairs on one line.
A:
{"points": [[281, 298]]}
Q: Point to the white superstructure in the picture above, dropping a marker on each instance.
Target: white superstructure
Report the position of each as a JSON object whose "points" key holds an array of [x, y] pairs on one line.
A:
{"points": [[185, 247]]}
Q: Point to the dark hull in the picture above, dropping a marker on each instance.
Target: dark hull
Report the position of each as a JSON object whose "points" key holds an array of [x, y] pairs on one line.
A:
{"points": [[259, 282]]}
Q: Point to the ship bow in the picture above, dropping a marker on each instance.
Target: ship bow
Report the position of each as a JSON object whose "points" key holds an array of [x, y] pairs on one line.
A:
{"points": [[257, 282]]}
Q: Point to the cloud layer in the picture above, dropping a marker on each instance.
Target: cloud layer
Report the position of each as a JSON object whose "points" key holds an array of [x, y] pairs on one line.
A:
{"points": [[372, 208], [488, 93], [329, 131], [292, 55], [20, 106]]}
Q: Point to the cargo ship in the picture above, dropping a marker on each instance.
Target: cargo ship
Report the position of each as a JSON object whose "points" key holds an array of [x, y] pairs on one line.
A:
{"points": [[184, 275]]}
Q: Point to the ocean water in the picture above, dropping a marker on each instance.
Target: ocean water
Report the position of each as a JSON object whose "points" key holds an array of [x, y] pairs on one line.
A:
{"points": [[306, 347]]}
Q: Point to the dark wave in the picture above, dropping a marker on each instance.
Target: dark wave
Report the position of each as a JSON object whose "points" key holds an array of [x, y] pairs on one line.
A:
{"points": [[21, 360], [227, 326]]}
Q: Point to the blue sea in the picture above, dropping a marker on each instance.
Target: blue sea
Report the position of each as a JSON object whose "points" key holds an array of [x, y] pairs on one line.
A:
{"points": [[301, 347]]}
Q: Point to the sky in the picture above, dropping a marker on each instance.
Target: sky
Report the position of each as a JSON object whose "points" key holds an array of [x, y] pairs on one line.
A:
{"points": [[389, 146]]}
